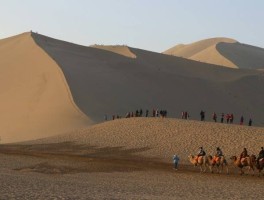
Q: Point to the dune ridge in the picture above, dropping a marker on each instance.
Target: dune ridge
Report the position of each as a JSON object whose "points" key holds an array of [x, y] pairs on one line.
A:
{"points": [[221, 51], [35, 98]]}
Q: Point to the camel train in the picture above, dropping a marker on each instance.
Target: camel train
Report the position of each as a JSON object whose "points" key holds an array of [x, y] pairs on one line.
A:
{"points": [[249, 162]]}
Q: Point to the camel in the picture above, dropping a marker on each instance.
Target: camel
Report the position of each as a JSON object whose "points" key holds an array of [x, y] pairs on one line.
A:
{"points": [[219, 164], [259, 166], [245, 162], [202, 162]]}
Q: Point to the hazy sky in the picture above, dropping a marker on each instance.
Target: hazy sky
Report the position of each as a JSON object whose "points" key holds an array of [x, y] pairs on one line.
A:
{"points": [[154, 25]]}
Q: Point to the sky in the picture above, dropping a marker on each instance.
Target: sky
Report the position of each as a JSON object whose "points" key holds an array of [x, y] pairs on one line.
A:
{"points": [[154, 25]]}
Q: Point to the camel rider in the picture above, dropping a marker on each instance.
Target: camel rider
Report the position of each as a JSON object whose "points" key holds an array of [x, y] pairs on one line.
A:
{"points": [[201, 152], [244, 154], [218, 154], [261, 155]]}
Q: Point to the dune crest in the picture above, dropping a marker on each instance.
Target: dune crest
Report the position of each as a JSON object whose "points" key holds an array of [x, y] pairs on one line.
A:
{"points": [[119, 49], [35, 100], [221, 51]]}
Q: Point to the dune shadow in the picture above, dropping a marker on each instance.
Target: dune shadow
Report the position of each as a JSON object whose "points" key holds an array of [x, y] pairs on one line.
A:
{"points": [[69, 157]]}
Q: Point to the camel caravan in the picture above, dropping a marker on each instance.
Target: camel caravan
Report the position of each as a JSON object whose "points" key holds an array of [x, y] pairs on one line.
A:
{"points": [[219, 162]]}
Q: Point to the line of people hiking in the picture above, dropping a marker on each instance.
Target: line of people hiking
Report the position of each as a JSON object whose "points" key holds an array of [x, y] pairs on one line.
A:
{"points": [[141, 113]]}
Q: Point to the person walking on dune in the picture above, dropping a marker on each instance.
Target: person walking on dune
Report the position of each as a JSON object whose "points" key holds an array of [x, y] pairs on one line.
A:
{"points": [[222, 118], [202, 114], [214, 117], [250, 122], [241, 120]]}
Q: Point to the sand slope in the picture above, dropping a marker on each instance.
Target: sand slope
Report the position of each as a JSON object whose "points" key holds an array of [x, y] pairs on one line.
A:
{"points": [[221, 51], [121, 50], [161, 138], [35, 100], [103, 82]]}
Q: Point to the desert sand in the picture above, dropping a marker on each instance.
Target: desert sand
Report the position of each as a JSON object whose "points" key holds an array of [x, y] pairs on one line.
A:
{"points": [[52, 92], [119, 49], [129, 159], [221, 51], [35, 99]]}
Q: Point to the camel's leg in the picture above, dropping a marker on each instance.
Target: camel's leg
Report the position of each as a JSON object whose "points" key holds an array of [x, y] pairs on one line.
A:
{"points": [[227, 169]]}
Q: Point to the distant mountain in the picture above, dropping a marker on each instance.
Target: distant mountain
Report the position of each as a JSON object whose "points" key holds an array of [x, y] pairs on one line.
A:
{"points": [[221, 51]]}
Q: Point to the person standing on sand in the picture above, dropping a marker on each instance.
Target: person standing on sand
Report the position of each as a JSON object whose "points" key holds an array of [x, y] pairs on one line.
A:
{"points": [[222, 118], [241, 120], [250, 122], [176, 160], [147, 112], [231, 118], [153, 112], [202, 114], [214, 117]]}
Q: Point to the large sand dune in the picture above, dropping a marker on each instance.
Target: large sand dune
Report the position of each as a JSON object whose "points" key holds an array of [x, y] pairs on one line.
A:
{"points": [[159, 138], [35, 100], [103, 82], [221, 51], [45, 81]]}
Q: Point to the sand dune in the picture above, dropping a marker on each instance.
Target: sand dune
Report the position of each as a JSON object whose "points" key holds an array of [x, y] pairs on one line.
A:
{"points": [[121, 50], [158, 138], [47, 80], [103, 82], [35, 100], [221, 51]]}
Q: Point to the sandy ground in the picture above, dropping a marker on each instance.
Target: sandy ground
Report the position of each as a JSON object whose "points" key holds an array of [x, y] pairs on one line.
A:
{"points": [[129, 159], [67, 171], [159, 138]]}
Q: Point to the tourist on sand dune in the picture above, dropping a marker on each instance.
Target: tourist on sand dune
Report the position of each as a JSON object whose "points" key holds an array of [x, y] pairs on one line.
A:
{"points": [[153, 113], [176, 161], [202, 114], [147, 112], [231, 118], [227, 118], [241, 120], [250, 122], [261, 155], [222, 118], [214, 117]]}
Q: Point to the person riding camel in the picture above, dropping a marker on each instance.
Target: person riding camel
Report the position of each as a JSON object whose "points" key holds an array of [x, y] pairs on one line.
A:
{"points": [[218, 154], [243, 155], [200, 153], [261, 155]]}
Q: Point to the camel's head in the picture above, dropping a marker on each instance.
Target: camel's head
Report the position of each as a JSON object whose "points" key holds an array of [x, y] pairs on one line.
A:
{"points": [[233, 158], [190, 156]]}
